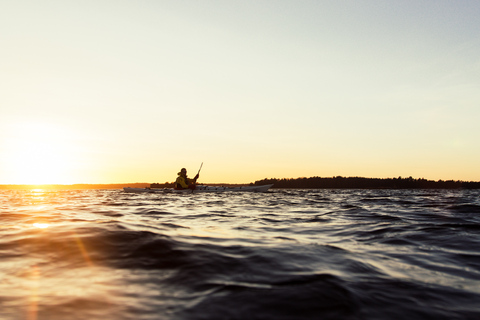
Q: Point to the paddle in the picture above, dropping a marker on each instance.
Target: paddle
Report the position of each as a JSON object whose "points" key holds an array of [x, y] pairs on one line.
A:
{"points": [[196, 177], [200, 169]]}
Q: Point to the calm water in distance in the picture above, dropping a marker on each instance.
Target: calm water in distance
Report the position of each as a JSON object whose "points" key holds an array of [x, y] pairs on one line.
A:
{"points": [[284, 254]]}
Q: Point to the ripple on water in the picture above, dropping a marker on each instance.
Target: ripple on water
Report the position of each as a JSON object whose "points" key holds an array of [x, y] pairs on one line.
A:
{"points": [[286, 254]]}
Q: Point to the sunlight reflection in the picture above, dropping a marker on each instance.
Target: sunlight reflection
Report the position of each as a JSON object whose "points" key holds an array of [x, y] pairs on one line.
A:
{"points": [[41, 225], [33, 303], [38, 196]]}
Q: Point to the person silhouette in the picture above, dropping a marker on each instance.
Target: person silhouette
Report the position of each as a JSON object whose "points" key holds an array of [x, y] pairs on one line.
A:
{"points": [[183, 182]]}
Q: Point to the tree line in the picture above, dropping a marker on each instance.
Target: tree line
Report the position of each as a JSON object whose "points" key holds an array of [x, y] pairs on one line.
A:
{"points": [[339, 182]]}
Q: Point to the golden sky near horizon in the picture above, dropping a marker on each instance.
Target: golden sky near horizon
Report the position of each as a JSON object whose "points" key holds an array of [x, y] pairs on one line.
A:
{"points": [[132, 91]]}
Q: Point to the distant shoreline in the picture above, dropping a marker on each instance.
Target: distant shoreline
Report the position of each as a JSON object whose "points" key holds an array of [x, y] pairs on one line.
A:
{"points": [[86, 186], [80, 186], [337, 182], [340, 182]]}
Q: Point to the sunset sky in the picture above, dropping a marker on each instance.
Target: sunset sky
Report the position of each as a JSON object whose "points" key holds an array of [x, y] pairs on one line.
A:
{"points": [[131, 91]]}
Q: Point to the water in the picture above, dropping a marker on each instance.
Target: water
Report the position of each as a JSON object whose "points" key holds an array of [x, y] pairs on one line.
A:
{"points": [[285, 254]]}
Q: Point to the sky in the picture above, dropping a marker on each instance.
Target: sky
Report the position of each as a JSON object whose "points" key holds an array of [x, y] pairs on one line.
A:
{"points": [[132, 91]]}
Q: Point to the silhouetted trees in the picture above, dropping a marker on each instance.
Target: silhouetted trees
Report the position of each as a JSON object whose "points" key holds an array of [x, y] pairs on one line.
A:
{"points": [[339, 182]]}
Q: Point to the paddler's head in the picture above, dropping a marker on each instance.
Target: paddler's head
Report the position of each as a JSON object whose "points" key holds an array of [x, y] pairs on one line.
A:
{"points": [[183, 172]]}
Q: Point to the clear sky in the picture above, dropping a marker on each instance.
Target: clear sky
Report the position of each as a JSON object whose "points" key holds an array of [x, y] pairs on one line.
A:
{"points": [[131, 91]]}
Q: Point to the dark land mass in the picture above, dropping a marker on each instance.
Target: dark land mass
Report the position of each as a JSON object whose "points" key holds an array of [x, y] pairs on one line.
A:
{"points": [[171, 185], [367, 183], [101, 186]]}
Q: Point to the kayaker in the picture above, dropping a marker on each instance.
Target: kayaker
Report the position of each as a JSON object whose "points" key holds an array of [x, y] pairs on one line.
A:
{"points": [[183, 182]]}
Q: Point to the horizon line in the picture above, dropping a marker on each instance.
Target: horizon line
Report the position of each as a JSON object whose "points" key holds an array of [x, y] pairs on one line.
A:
{"points": [[213, 183]]}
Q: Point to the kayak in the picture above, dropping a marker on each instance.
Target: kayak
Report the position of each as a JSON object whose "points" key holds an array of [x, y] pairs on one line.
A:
{"points": [[201, 188]]}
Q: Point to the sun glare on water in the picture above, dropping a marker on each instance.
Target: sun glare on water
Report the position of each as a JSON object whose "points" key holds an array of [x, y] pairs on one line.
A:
{"points": [[41, 225], [38, 154]]}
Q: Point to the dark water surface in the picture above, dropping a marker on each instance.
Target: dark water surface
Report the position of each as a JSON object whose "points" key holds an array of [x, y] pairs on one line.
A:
{"points": [[285, 254]]}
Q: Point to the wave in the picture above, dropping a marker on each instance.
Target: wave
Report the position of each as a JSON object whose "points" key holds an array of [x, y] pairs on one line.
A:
{"points": [[287, 254]]}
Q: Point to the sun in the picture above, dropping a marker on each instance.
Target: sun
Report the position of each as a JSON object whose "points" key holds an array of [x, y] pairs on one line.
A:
{"points": [[37, 153]]}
